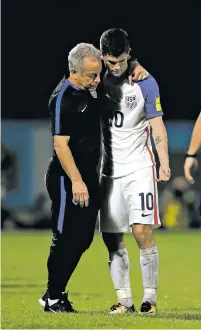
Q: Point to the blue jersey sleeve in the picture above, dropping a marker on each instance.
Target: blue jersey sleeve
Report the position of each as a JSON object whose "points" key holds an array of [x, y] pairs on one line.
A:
{"points": [[150, 92], [63, 116]]}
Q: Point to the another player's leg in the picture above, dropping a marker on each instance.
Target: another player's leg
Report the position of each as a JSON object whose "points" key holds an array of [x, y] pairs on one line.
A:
{"points": [[119, 266]]}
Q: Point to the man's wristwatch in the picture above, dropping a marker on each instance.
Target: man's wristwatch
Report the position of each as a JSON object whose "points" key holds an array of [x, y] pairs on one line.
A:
{"points": [[191, 155]]}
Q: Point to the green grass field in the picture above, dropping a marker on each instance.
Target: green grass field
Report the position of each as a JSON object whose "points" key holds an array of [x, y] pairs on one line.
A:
{"points": [[24, 280]]}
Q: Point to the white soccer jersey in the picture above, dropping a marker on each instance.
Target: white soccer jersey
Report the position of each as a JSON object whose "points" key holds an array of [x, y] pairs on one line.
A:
{"points": [[125, 126]]}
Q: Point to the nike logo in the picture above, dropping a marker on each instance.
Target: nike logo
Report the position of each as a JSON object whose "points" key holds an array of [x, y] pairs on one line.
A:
{"points": [[83, 109], [145, 215], [109, 97], [51, 310]]}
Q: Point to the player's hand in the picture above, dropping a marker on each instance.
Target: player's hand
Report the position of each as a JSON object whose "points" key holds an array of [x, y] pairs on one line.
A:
{"points": [[139, 73], [189, 165], [164, 172], [80, 193]]}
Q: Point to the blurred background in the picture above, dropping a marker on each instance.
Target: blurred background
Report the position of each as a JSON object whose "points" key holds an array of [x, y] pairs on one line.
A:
{"points": [[36, 39]]}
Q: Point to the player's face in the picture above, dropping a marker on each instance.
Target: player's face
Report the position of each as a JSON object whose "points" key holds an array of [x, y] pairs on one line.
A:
{"points": [[116, 65], [90, 76]]}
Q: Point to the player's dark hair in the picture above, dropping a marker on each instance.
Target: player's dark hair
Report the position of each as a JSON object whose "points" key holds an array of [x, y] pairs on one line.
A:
{"points": [[114, 42]]}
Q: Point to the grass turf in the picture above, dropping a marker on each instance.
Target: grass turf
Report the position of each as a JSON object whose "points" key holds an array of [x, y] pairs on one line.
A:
{"points": [[24, 276]]}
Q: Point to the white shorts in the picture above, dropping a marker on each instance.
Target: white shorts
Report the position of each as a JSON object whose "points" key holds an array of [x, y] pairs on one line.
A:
{"points": [[128, 200]]}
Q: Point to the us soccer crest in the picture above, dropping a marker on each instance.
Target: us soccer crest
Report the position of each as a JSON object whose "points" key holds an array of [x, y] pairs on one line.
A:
{"points": [[131, 102]]}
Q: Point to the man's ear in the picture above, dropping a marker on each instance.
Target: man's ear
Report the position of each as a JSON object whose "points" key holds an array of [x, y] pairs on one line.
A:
{"points": [[74, 73]]}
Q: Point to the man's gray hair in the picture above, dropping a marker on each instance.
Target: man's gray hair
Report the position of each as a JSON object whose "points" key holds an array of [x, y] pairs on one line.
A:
{"points": [[79, 53]]}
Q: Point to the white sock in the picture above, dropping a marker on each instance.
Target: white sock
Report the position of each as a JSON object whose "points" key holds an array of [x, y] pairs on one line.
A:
{"points": [[52, 302], [149, 260], [119, 270]]}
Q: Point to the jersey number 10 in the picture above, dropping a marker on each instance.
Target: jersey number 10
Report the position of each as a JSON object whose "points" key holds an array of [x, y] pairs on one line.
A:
{"points": [[118, 119], [147, 201]]}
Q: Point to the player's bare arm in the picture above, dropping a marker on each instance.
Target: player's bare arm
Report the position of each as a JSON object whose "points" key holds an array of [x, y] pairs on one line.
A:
{"points": [[191, 162], [79, 189], [195, 142], [161, 143]]}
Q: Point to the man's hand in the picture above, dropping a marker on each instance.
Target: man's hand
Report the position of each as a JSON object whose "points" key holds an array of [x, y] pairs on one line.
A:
{"points": [[139, 73], [164, 172], [189, 165], [80, 193]]}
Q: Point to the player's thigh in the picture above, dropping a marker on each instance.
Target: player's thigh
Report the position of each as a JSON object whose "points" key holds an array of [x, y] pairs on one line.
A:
{"points": [[142, 197], [113, 216]]}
